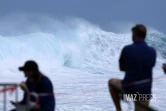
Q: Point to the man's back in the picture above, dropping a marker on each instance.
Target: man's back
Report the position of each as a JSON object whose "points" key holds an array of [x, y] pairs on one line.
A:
{"points": [[139, 60]]}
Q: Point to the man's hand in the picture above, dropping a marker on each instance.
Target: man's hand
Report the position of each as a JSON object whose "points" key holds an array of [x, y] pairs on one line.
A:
{"points": [[24, 86], [14, 103], [164, 68]]}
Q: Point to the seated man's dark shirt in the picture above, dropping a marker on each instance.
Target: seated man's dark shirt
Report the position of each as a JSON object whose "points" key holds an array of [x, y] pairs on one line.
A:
{"points": [[47, 103]]}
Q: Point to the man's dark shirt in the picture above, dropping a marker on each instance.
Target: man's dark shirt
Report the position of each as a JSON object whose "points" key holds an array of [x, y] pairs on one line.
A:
{"points": [[47, 103], [139, 60]]}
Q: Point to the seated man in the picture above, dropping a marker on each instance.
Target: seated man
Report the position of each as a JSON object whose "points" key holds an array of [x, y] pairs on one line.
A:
{"points": [[137, 60], [38, 83]]}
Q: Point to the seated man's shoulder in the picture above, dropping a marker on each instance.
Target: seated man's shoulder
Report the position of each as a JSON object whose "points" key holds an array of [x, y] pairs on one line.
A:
{"points": [[46, 80]]}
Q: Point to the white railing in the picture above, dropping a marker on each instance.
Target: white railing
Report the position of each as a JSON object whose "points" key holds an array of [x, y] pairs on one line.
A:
{"points": [[8, 87]]}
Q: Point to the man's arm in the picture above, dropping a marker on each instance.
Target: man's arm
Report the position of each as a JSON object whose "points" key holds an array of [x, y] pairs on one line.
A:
{"points": [[24, 87], [24, 99], [122, 66]]}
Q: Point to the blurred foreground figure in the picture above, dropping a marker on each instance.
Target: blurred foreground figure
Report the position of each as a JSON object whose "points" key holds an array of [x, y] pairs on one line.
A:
{"points": [[137, 61], [164, 68], [36, 83]]}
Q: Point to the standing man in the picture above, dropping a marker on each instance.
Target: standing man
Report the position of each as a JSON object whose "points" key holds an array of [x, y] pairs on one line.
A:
{"points": [[38, 83], [137, 61]]}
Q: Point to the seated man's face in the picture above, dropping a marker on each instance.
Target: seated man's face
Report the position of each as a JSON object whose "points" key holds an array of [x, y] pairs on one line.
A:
{"points": [[28, 74]]}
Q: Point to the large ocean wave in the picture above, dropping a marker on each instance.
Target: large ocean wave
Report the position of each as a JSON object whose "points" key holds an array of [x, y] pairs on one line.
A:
{"points": [[77, 44]]}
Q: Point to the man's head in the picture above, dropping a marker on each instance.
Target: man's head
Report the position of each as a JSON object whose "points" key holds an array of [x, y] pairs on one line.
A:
{"points": [[138, 32], [30, 67]]}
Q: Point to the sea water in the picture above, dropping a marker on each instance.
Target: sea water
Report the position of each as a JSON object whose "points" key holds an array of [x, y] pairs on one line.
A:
{"points": [[78, 57]]}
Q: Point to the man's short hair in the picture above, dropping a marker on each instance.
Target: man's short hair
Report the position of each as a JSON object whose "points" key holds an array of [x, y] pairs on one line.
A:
{"points": [[140, 30]]}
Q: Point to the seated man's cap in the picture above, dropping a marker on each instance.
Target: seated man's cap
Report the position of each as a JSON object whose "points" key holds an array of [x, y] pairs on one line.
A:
{"points": [[29, 66]]}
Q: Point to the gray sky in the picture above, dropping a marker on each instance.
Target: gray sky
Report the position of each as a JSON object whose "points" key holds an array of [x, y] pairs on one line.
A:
{"points": [[102, 12]]}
